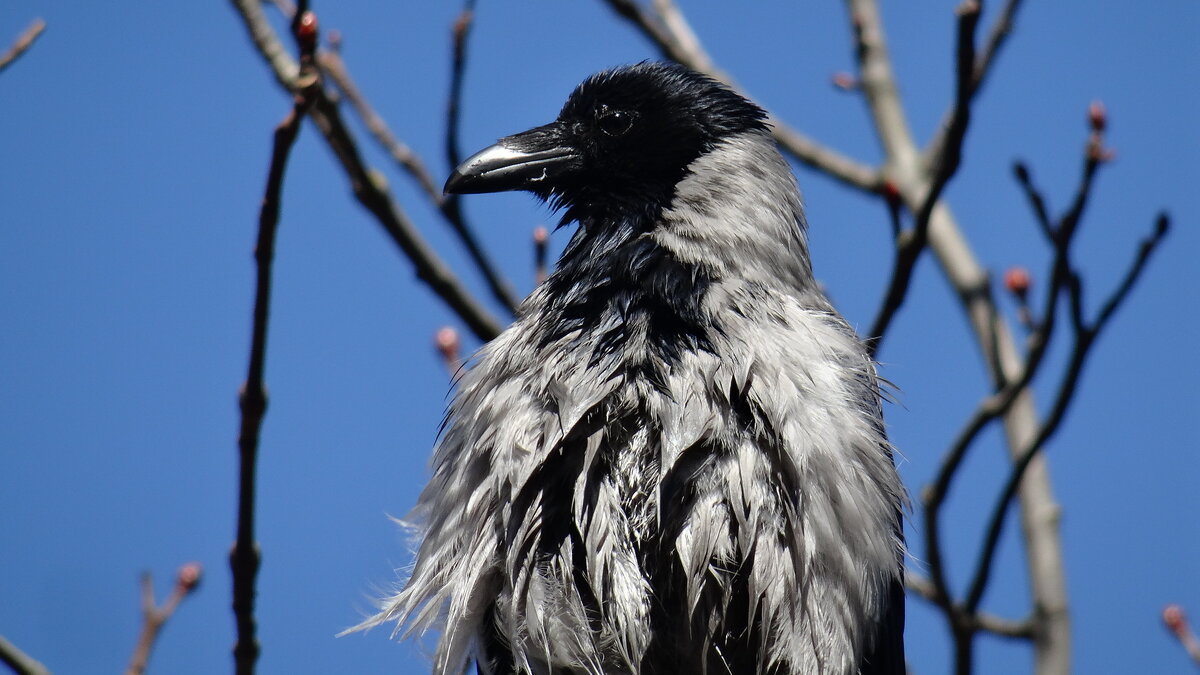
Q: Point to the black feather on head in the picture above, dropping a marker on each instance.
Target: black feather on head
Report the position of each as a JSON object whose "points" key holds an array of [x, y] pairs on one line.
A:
{"points": [[635, 130]]}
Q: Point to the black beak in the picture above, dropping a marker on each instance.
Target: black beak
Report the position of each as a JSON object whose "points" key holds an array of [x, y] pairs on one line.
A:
{"points": [[526, 161]]}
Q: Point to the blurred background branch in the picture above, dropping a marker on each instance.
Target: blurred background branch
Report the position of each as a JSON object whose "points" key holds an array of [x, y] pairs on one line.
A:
{"points": [[155, 616], [18, 661], [22, 44]]}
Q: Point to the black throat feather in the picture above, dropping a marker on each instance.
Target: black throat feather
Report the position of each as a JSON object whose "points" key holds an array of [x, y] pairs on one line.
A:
{"points": [[632, 298]]}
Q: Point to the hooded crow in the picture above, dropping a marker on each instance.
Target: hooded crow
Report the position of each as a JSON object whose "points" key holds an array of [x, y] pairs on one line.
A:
{"points": [[674, 461]]}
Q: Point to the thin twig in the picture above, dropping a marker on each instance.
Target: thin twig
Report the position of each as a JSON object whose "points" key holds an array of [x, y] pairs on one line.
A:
{"points": [[246, 557], [1070, 220], [943, 165], [373, 194], [368, 189], [989, 409], [879, 85], [154, 616], [334, 67], [22, 44], [676, 25], [1176, 621], [923, 588], [20, 662], [1022, 629], [999, 402], [451, 205], [1037, 202], [270, 47], [458, 65], [995, 524], [1162, 225], [1085, 339], [687, 50], [996, 38]]}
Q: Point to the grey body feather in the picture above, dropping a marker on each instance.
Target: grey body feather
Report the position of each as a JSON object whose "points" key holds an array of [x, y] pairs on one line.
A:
{"points": [[673, 461]]}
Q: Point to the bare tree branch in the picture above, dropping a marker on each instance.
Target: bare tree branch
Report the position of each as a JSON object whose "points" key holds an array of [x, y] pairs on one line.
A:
{"points": [[154, 616], [943, 165], [269, 46], [368, 188], [370, 191], [1085, 339], [245, 557], [1070, 220], [20, 662], [676, 41], [991, 408], [449, 205], [923, 588], [1039, 510], [22, 44], [982, 65], [1036, 201], [996, 38], [333, 66], [1162, 224], [458, 65], [880, 90], [1063, 279]]}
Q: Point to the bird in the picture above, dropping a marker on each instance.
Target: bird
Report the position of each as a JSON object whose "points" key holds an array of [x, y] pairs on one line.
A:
{"points": [[674, 460]]}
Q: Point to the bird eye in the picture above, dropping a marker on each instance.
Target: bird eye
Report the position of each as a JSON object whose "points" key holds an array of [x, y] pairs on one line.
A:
{"points": [[614, 122]]}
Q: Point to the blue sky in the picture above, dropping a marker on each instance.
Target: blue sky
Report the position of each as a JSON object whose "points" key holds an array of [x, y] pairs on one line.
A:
{"points": [[135, 143]]}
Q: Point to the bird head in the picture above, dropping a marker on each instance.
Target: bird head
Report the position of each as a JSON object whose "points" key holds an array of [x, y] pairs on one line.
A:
{"points": [[622, 142]]}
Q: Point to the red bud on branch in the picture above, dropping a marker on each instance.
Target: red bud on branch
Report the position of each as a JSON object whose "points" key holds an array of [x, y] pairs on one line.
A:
{"points": [[448, 344], [1175, 619], [306, 31], [1097, 116], [188, 577], [844, 81], [1017, 280]]}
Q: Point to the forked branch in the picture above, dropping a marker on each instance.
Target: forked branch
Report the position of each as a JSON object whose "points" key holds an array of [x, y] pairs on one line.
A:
{"points": [[155, 616], [368, 187], [1084, 339], [245, 557], [942, 165]]}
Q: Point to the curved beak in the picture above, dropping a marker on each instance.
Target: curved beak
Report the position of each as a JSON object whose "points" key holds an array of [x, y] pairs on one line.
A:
{"points": [[525, 161]]}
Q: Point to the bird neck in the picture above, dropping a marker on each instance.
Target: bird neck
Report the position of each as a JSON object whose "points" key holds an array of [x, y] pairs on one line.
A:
{"points": [[651, 284], [738, 213], [736, 216], [623, 293]]}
